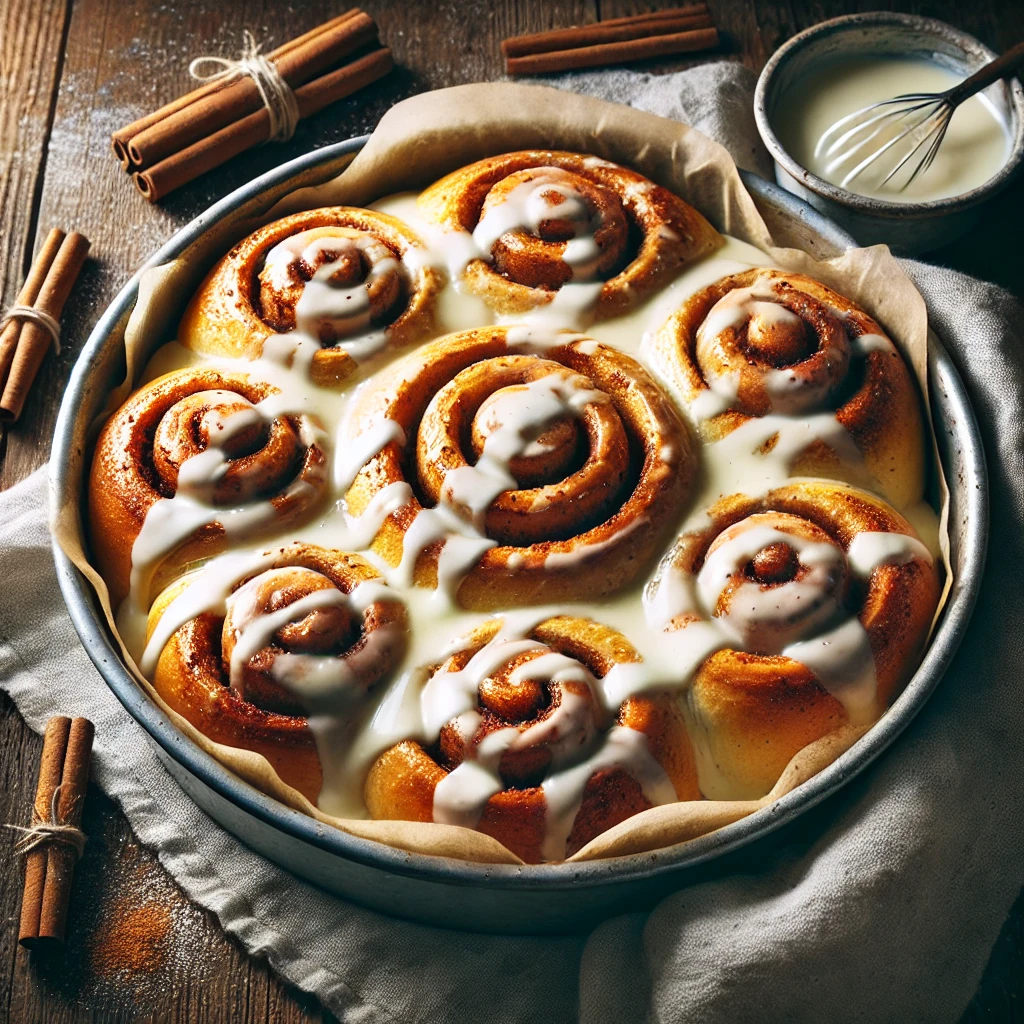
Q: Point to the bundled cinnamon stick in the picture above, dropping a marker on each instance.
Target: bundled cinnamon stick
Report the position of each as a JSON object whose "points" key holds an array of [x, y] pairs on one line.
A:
{"points": [[177, 170], [53, 842], [32, 325], [616, 41], [250, 102]]}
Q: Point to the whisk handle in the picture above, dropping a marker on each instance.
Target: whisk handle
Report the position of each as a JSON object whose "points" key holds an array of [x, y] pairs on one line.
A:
{"points": [[1005, 66]]}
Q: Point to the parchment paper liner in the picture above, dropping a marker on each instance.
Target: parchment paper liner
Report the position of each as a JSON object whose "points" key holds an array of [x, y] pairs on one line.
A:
{"points": [[416, 142]]}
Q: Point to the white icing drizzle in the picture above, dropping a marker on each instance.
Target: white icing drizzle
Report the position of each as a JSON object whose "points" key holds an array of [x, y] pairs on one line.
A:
{"points": [[528, 206], [720, 396], [869, 549], [219, 577], [171, 521], [521, 414], [790, 392], [622, 748], [572, 306], [767, 617], [355, 452], [737, 461], [569, 732], [346, 309], [325, 682], [842, 662], [348, 744], [865, 343]]}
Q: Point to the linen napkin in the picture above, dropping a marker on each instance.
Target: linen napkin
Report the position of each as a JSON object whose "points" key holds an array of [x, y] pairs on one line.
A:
{"points": [[881, 905]]}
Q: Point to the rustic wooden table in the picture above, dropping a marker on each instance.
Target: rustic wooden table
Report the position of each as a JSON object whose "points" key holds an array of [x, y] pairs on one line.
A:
{"points": [[74, 70]]}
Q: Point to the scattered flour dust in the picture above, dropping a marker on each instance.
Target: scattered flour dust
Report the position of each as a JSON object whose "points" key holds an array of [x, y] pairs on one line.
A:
{"points": [[132, 935]]}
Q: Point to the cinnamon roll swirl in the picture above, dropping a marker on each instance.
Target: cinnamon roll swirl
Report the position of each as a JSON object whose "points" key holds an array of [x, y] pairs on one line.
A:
{"points": [[354, 280], [246, 657], [818, 599], [541, 220], [765, 344], [511, 470], [190, 457], [520, 747]]}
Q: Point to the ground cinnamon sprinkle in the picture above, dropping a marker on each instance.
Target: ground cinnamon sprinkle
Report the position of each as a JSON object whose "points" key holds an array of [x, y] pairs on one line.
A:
{"points": [[133, 940]]}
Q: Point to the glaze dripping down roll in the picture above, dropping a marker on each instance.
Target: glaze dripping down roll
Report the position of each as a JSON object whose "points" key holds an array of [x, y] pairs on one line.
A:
{"points": [[189, 457], [815, 602], [351, 280], [542, 220], [246, 658], [522, 749], [511, 469], [783, 348]]}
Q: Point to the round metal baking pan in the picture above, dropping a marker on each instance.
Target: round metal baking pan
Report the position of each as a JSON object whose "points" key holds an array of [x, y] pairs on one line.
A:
{"points": [[501, 898]]}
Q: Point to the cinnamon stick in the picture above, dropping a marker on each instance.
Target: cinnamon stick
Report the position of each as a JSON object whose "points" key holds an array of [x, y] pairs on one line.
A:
{"points": [[120, 139], [182, 167], [33, 341], [604, 54], [668, 12], [55, 744], [619, 30], [240, 98], [27, 297], [67, 748]]}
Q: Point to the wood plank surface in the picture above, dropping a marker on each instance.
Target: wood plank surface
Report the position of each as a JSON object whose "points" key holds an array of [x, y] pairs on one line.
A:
{"points": [[73, 70]]}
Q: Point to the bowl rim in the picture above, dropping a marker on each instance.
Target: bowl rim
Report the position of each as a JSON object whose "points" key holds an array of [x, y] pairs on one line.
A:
{"points": [[764, 93], [99, 644]]}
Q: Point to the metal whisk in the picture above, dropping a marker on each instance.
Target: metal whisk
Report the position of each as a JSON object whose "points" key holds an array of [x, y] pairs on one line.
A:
{"points": [[919, 119]]}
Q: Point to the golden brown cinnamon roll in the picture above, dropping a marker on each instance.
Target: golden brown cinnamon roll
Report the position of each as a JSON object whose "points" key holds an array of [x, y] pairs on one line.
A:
{"points": [[509, 474], [189, 457], [354, 280], [305, 630], [820, 598], [542, 219], [521, 748], [765, 343]]}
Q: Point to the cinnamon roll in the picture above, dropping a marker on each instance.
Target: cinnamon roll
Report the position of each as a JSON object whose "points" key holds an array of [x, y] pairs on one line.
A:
{"points": [[818, 599], [520, 748], [512, 470], [541, 220], [247, 656], [189, 458], [353, 280], [764, 344]]}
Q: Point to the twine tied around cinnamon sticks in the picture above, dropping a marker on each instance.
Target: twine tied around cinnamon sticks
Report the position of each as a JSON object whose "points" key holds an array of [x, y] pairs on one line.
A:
{"points": [[49, 830], [39, 316], [275, 92], [54, 841], [249, 101]]}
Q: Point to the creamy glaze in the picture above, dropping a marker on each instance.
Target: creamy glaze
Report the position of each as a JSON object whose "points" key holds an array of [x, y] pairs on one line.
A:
{"points": [[975, 147], [416, 706]]}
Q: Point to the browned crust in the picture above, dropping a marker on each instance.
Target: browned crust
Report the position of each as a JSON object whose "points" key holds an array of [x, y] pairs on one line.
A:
{"points": [[655, 213], [223, 317]]}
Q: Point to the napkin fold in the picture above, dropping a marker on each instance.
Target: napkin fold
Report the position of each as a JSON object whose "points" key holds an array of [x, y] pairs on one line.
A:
{"points": [[881, 905]]}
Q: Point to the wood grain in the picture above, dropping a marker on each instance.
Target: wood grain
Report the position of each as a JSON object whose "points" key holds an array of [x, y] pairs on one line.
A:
{"points": [[31, 44], [73, 71]]}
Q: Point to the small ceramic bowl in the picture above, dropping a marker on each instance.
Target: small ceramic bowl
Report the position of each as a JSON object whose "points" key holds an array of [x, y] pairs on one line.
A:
{"points": [[905, 227]]}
